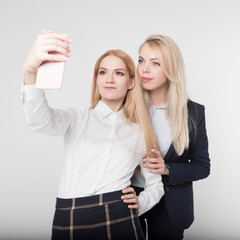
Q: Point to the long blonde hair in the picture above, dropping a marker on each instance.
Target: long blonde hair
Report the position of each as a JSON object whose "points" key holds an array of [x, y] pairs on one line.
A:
{"points": [[172, 64], [134, 106]]}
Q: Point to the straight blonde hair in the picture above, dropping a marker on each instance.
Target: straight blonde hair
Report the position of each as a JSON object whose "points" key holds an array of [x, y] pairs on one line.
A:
{"points": [[172, 64], [134, 105]]}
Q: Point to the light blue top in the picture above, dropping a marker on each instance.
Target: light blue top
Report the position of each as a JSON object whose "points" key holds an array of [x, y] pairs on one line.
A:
{"points": [[161, 127]]}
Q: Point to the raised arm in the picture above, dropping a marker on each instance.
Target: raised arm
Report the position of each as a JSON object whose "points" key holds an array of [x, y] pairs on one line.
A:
{"points": [[39, 115]]}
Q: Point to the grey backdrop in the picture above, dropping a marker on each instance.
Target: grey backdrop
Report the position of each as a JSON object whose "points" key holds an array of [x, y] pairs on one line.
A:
{"points": [[207, 33]]}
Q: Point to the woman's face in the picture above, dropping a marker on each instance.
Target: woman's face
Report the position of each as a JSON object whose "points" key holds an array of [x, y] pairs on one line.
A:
{"points": [[113, 80], [149, 69]]}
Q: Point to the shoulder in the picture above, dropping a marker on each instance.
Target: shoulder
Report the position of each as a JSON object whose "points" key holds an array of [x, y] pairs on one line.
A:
{"points": [[76, 115], [78, 112], [195, 110]]}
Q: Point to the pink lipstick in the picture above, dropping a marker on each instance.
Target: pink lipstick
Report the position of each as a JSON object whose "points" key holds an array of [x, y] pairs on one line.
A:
{"points": [[145, 79]]}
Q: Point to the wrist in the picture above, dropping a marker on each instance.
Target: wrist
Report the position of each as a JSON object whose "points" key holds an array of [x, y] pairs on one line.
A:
{"points": [[29, 77]]}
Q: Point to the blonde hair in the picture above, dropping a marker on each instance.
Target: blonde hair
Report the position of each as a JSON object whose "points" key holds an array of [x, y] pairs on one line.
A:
{"points": [[134, 106], [172, 64]]}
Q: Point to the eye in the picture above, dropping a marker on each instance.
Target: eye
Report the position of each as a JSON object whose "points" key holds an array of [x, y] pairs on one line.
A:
{"points": [[120, 73], [140, 60], [101, 72], [156, 64]]}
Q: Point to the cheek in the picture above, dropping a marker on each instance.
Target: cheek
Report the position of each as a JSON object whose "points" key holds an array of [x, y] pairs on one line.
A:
{"points": [[160, 75], [99, 81], [124, 85]]}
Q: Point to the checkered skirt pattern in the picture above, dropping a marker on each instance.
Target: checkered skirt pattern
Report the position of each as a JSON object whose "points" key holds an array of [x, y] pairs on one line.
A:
{"points": [[98, 217]]}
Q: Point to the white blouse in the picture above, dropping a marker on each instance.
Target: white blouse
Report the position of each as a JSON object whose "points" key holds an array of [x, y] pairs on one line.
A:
{"points": [[101, 151]]}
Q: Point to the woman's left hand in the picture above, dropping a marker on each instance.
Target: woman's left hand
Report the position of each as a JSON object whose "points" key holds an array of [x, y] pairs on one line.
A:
{"points": [[131, 198], [156, 165]]}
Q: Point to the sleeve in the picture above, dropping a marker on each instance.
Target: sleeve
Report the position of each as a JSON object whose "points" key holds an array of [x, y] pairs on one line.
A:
{"points": [[198, 165], [153, 190], [41, 118]]}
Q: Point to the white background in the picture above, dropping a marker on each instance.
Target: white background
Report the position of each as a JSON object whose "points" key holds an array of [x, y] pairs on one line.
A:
{"points": [[208, 34]]}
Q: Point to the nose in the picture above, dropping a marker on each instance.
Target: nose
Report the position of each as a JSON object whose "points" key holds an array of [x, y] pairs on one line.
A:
{"points": [[110, 78], [146, 68]]}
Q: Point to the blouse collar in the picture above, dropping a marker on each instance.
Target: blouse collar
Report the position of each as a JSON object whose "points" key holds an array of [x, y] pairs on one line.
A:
{"points": [[104, 111]]}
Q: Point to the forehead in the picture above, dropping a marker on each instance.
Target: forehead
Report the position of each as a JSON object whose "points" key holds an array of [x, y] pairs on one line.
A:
{"points": [[112, 62], [149, 52]]}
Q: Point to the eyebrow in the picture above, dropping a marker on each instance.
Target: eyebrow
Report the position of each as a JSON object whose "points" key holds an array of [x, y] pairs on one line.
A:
{"points": [[117, 69], [150, 58]]}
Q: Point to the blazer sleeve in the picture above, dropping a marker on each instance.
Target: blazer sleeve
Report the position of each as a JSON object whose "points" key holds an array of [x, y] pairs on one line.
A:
{"points": [[194, 164]]}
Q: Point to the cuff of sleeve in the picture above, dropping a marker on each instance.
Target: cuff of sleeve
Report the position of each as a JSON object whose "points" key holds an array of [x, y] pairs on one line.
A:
{"points": [[142, 206], [30, 93]]}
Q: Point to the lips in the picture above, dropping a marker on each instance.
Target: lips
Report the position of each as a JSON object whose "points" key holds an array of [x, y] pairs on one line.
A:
{"points": [[109, 88], [145, 79]]}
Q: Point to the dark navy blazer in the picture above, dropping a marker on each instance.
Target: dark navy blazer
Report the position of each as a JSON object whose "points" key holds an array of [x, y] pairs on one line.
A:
{"points": [[192, 165]]}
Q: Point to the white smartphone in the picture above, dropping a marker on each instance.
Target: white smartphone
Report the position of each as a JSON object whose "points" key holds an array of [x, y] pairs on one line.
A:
{"points": [[50, 75]]}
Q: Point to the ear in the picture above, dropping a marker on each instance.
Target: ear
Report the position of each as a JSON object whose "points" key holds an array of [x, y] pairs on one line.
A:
{"points": [[132, 83]]}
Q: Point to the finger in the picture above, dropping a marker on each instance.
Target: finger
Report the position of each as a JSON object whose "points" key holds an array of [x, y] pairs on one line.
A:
{"points": [[57, 42], [46, 31], [56, 49], [53, 35], [128, 196], [157, 152], [63, 37], [151, 160], [154, 166], [134, 206], [128, 190], [55, 58], [131, 200], [156, 171]]}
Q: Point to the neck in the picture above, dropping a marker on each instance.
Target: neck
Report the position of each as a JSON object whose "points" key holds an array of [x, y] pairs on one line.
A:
{"points": [[114, 105], [159, 96]]}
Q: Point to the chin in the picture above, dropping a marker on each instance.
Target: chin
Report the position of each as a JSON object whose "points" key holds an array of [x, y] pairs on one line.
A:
{"points": [[147, 87]]}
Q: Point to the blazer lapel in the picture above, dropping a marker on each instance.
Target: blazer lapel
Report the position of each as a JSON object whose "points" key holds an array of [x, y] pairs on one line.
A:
{"points": [[169, 154]]}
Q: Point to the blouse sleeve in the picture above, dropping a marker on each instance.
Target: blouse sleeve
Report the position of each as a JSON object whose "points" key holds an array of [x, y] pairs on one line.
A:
{"points": [[153, 190], [41, 118]]}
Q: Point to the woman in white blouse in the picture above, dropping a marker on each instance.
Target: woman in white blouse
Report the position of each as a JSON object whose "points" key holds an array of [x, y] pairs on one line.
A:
{"points": [[103, 146]]}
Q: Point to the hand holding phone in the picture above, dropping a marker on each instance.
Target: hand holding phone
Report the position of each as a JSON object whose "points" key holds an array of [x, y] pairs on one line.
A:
{"points": [[45, 63]]}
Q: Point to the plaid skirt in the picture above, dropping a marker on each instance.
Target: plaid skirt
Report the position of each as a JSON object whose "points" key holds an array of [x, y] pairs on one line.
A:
{"points": [[98, 217]]}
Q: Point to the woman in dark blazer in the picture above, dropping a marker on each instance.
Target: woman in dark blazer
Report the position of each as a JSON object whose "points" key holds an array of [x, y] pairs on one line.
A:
{"points": [[179, 124]]}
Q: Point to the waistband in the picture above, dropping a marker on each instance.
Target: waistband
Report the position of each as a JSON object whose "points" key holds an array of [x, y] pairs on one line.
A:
{"points": [[88, 202]]}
